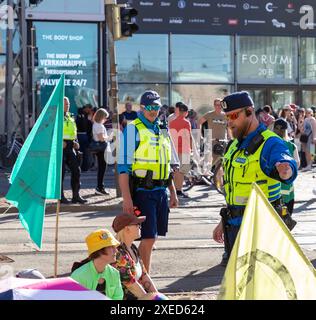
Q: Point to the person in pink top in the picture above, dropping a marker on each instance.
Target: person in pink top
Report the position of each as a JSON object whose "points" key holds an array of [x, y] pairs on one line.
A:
{"points": [[266, 118], [180, 131]]}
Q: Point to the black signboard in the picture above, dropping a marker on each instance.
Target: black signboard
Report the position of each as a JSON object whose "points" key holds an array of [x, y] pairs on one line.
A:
{"points": [[243, 17]]}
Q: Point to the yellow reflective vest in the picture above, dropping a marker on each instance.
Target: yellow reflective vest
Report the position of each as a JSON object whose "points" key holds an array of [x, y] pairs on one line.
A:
{"points": [[70, 128], [153, 153], [241, 170]]}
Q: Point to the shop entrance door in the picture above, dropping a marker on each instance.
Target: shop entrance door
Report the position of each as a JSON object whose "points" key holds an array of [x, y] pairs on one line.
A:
{"points": [[280, 97], [276, 97], [308, 98], [258, 95]]}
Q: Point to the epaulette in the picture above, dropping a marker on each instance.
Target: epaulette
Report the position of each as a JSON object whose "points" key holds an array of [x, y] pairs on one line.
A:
{"points": [[255, 143]]}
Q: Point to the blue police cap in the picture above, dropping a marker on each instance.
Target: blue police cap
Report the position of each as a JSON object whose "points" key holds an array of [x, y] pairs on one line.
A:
{"points": [[236, 100], [150, 98]]}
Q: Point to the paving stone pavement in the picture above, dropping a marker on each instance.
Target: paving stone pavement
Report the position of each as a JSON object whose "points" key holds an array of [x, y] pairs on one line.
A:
{"points": [[185, 263]]}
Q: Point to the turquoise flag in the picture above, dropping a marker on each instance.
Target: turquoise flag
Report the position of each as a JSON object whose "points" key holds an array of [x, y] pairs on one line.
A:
{"points": [[36, 175]]}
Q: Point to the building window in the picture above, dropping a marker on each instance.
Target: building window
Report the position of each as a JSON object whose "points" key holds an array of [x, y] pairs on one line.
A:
{"points": [[308, 60], [70, 48], [267, 60], [309, 98], [143, 58], [68, 10], [281, 97], [198, 97], [3, 44], [202, 58]]}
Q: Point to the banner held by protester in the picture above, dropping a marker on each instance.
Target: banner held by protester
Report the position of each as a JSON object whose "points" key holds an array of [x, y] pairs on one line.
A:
{"points": [[36, 175], [266, 262]]}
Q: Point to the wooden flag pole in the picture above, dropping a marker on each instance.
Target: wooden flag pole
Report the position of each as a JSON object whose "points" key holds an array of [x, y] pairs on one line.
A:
{"points": [[56, 238]]}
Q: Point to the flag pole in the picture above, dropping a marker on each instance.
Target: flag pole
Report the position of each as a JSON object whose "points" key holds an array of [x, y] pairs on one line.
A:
{"points": [[56, 238]]}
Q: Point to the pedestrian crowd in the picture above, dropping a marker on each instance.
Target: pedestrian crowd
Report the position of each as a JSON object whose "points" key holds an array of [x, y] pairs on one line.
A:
{"points": [[158, 142]]}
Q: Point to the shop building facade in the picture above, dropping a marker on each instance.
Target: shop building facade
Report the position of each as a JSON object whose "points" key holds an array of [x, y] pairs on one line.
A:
{"points": [[190, 51]]}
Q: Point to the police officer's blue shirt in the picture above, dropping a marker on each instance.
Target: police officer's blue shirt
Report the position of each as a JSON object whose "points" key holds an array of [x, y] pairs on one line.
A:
{"points": [[273, 151], [130, 142]]}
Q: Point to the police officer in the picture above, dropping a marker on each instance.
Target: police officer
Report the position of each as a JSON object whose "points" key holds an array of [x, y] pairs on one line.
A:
{"points": [[255, 155], [70, 145], [145, 172], [84, 134]]}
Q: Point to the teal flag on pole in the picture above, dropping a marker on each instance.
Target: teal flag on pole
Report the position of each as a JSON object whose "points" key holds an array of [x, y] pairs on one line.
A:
{"points": [[36, 175]]}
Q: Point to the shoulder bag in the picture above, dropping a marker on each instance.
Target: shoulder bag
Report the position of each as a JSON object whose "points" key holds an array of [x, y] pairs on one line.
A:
{"points": [[97, 146]]}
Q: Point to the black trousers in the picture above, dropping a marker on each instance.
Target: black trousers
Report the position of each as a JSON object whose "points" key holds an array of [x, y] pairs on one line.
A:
{"points": [[70, 159], [230, 237], [83, 140], [290, 206], [101, 169]]}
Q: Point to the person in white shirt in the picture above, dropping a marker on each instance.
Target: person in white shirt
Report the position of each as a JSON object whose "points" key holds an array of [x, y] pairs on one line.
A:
{"points": [[99, 134], [284, 114]]}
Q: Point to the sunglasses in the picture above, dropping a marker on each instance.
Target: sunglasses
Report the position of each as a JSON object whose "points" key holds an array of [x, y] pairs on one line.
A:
{"points": [[152, 108], [233, 116]]}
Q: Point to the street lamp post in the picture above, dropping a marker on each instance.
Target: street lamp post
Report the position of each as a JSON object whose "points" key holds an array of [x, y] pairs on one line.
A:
{"points": [[113, 92]]}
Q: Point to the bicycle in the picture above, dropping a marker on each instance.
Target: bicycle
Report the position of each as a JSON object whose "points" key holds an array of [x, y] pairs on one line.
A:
{"points": [[202, 173], [194, 177], [217, 167], [10, 153]]}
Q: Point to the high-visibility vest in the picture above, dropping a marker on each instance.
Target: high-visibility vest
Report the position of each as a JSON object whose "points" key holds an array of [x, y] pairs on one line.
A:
{"points": [[241, 170], [153, 153], [70, 128]]}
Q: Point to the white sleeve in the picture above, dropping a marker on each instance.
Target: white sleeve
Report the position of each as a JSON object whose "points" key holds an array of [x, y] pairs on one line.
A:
{"points": [[97, 129]]}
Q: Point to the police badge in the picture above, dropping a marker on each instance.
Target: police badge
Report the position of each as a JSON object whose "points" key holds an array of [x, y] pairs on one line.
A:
{"points": [[224, 105]]}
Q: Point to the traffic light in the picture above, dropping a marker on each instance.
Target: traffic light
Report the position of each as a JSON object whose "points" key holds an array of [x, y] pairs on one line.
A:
{"points": [[123, 24], [128, 27]]}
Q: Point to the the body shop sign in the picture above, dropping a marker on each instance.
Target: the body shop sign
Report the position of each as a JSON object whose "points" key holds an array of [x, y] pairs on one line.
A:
{"points": [[70, 49]]}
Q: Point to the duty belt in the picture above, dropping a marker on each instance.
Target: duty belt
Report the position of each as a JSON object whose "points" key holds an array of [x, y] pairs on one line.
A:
{"points": [[238, 212], [141, 183]]}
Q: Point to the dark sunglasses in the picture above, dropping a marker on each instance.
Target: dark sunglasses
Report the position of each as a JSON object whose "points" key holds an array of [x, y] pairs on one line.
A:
{"points": [[152, 108]]}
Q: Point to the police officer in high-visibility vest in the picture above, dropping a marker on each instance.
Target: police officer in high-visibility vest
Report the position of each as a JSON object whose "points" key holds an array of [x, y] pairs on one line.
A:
{"points": [[255, 155], [70, 145], [144, 169]]}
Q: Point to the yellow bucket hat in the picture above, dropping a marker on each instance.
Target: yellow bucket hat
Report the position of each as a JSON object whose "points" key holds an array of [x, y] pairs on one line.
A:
{"points": [[100, 239]]}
